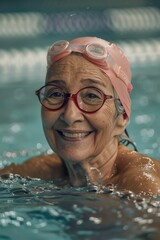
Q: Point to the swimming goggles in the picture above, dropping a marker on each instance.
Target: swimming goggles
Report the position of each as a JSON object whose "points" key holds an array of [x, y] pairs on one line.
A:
{"points": [[94, 52]]}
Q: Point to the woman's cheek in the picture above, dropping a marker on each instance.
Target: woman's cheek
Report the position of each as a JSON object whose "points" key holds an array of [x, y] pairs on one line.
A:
{"points": [[104, 119], [48, 118]]}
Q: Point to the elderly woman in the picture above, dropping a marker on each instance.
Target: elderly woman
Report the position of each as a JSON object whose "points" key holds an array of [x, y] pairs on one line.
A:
{"points": [[85, 111]]}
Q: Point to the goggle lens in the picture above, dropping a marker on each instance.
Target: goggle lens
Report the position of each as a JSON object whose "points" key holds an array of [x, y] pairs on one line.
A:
{"points": [[96, 51], [59, 47]]}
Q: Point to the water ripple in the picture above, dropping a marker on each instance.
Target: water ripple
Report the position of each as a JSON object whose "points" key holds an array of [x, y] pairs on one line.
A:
{"points": [[45, 210]]}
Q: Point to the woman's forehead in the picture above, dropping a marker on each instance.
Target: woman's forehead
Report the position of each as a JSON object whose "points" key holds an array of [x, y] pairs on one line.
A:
{"points": [[75, 64], [73, 61]]}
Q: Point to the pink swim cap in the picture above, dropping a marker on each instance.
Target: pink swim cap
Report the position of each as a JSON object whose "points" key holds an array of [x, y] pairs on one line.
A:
{"points": [[115, 64]]}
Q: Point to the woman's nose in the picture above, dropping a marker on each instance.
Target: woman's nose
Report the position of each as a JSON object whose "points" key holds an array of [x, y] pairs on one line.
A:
{"points": [[71, 113]]}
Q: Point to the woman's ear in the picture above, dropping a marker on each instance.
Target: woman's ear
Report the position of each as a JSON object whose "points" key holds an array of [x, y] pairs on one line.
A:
{"points": [[120, 124]]}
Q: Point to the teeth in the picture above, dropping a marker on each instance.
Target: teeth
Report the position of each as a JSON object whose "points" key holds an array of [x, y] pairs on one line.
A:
{"points": [[74, 135]]}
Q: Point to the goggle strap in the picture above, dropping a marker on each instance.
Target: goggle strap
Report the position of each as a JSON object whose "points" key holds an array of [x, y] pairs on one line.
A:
{"points": [[117, 69]]}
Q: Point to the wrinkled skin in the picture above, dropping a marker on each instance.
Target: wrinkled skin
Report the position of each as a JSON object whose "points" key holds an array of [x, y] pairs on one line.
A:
{"points": [[85, 146]]}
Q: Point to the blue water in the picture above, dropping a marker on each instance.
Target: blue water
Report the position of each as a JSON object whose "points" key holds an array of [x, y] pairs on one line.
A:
{"points": [[40, 210]]}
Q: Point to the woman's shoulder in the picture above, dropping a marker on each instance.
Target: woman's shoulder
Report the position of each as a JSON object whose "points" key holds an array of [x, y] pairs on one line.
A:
{"points": [[128, 157], [50, 166], [47, 166], [137, 172]]}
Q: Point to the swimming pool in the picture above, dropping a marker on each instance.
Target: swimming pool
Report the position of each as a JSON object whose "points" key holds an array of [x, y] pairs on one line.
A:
{"points": [[36, 209]]}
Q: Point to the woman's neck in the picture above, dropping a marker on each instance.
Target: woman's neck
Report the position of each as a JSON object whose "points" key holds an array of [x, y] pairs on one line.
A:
{"points": [[96, 170]]}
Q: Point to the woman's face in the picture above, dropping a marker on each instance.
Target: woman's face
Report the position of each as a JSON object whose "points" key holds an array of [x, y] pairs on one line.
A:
{"points": [[72, 134]]}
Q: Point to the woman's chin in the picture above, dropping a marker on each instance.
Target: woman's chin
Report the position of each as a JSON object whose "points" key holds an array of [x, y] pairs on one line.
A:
{"points": [[74, 155]]}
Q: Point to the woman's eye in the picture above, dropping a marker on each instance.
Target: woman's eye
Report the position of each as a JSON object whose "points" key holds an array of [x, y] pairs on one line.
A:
{"points": [[54, 94], [91, 96]]}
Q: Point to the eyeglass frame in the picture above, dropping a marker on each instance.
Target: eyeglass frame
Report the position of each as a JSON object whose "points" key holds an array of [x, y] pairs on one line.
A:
{"points": [[73, 96]]}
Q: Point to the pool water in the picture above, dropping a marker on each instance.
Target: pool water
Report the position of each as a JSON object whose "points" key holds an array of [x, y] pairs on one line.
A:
{"points": [[36, 209], [40, 210]]}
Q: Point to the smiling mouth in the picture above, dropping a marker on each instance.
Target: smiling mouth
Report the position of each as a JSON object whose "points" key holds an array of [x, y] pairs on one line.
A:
{"points": [[73, 135]]}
